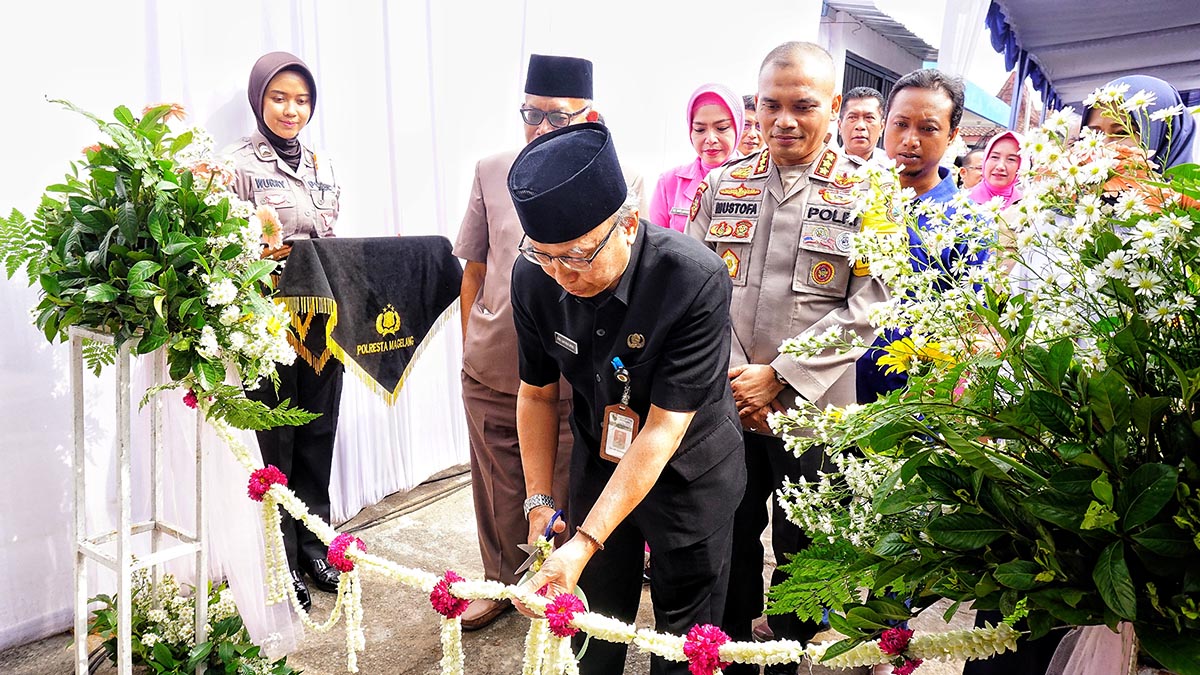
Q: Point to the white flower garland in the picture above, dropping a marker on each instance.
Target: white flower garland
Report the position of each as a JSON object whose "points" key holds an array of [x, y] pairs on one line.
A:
{"points": [[546, 654]]}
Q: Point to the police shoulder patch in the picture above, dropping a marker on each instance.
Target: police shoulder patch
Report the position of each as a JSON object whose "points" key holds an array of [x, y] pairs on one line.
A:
{"points": [[696, 200]]}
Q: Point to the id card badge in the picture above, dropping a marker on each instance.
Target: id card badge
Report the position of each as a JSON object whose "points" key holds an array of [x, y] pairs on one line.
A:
{"points": [[620, 425], [620, 428]]}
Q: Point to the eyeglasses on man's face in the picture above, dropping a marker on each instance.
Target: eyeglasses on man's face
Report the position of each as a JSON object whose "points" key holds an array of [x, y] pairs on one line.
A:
{"points": [[572, 263], [558, 118]]}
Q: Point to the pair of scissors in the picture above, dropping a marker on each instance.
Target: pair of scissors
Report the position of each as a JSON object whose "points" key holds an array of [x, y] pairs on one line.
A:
{"points": [[536, 552]]}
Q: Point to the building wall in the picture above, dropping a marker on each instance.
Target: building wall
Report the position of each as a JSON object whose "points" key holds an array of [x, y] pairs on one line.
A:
{"points": [[841, 32]]}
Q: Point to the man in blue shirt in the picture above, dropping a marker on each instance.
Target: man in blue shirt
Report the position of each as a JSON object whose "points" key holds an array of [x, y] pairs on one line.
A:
{"points": [[923, 112]]}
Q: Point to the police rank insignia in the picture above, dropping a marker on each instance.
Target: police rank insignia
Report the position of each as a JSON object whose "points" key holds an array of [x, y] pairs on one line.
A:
{"points": [[388, 321], [763, 161], [825, 165], [696, 200], [739, 192], [636, 341], [822, 272], [732, 262], [741, 173]]}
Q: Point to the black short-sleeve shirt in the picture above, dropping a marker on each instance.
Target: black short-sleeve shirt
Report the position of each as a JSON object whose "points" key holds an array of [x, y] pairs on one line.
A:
{"points": [[668, 321]]}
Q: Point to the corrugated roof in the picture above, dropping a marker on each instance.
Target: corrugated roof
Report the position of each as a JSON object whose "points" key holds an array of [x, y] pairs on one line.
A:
{"points": [[866, 12]]}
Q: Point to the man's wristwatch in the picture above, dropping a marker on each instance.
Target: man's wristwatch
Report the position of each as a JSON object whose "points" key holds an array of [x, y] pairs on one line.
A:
{"points": [[536, 501]]}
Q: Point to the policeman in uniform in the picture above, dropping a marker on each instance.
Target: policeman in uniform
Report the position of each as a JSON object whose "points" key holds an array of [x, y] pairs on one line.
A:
{"points": [[780, 220], [273, 168], [658, 448], [558, 92]]}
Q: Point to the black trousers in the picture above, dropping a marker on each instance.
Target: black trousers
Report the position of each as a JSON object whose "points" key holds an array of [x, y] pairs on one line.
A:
{"points": [[767, 463], [687, 588], [305, 453]]}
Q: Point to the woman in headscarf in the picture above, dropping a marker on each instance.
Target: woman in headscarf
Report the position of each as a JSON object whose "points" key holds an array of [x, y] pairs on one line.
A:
{"points": [[274, 169], [1001, 164], [1171, 140], [715, 118]]}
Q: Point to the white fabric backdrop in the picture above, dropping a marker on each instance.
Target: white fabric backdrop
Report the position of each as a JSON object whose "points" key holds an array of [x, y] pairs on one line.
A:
{"points": [[410, 95]]}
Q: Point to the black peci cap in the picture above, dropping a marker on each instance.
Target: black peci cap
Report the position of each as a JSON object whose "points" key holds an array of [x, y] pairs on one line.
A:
{"points": [[566, 183]]}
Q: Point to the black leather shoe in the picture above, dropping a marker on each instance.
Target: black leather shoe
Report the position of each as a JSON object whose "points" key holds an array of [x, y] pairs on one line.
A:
{"points": [[324, 576], [301, 591]]}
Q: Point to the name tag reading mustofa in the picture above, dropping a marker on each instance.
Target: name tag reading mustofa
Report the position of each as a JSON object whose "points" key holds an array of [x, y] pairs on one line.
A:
{"points": [[566, 343]]}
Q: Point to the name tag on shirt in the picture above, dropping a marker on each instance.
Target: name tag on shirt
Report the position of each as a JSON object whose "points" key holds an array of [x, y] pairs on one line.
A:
{"points": [[566, 343], [677, 211]]}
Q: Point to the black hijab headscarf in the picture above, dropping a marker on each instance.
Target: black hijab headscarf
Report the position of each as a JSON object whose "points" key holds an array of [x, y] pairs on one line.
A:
{"points": [[264, 70]]}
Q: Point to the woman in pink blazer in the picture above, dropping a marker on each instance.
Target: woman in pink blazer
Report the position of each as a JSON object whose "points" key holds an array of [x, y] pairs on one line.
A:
{"points": [[715, 118]]}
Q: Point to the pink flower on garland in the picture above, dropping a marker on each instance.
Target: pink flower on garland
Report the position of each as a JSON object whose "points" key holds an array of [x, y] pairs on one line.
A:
{"points": [[909, 666], [190, 400], [703, 649], [444, 602], [337, 551], [894, 641], [561, 611], [262, 480]]}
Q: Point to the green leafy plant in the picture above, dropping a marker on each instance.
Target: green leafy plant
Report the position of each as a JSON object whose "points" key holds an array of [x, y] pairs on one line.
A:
{"points": [[163, 629], [1043, 458], [145, 241]]}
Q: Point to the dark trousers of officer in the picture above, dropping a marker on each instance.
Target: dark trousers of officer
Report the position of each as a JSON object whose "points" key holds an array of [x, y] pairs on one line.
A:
{"points": [[767, 463], [305, 453], [687, 588], [498, 479]]}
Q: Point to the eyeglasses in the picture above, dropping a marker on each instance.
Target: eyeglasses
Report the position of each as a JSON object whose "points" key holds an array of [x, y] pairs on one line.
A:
{"points": [[558, 118], [973, 168], [570, 262]]}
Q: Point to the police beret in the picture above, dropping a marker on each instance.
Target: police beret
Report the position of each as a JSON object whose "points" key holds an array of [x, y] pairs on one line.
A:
{"points": [[559, 77], [566, 183]]}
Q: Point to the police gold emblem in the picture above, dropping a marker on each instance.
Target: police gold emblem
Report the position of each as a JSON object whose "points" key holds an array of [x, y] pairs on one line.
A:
{"points": [[721, 228], [732, 262], [388, 321], [739, 192], [822, 272], [635, 341], [836, 197], [845, 180], [696, 200], [741, 173], [742, 229]]}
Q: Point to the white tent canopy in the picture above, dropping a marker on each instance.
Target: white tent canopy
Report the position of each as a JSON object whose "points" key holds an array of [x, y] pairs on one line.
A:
{"points": [[1079, 45]]}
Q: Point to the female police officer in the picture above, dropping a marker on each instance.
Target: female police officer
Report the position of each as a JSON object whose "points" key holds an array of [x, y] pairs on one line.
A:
{"points": [[274, 169]]}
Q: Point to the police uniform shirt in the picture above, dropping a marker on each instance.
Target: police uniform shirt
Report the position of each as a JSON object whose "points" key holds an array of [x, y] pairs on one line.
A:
{"points": [[787, 253], [675, 346], [306, 198]]}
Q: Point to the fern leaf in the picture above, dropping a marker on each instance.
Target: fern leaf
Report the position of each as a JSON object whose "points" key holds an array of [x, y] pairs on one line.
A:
{"points": [[97, 355], [820, 577], [242, 413]]}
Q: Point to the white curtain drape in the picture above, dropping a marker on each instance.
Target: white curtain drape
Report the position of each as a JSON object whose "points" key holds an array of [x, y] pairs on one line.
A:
{"points": [[411, 93], [962, 31]]}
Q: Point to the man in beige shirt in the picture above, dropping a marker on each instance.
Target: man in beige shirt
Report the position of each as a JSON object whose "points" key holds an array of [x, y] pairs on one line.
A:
{"points": [[780, 219], [558, 93]]}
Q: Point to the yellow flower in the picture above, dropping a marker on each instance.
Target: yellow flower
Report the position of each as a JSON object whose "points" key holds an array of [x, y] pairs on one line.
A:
{"points": [[900, 355]]}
